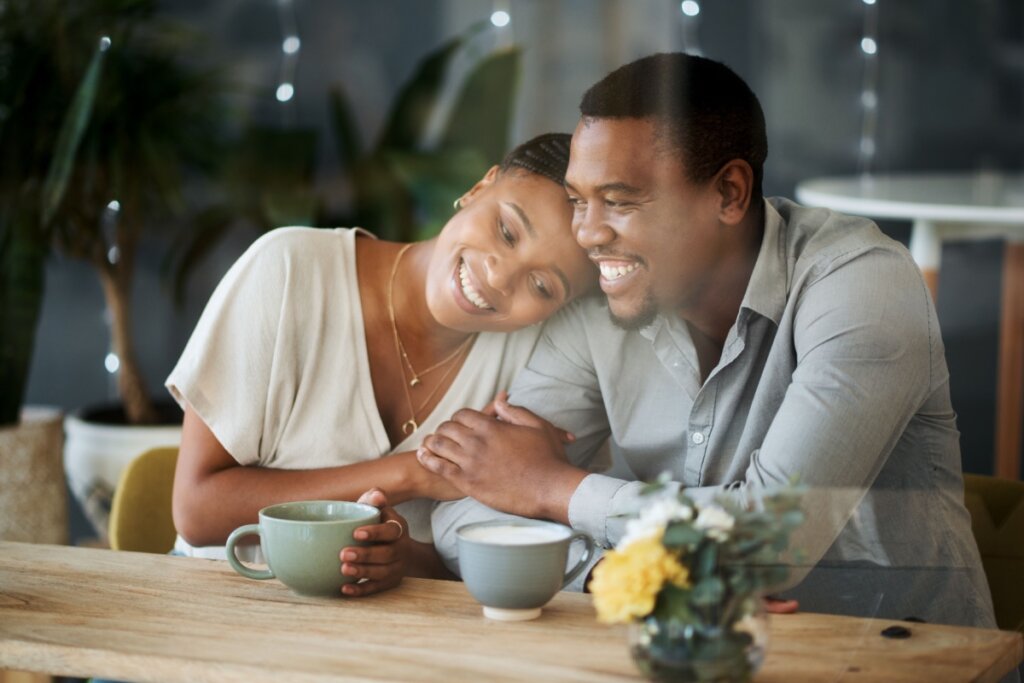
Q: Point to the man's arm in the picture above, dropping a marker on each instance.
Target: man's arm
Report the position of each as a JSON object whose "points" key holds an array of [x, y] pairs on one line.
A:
{"points": [[559, 383], [862, 341]]}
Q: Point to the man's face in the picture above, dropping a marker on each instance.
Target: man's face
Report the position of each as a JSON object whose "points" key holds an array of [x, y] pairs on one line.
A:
{"points": [[653, 233]]}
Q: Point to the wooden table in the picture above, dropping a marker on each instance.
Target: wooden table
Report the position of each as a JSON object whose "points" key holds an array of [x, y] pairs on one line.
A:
{"points": [[85, 612], [949, 207]]}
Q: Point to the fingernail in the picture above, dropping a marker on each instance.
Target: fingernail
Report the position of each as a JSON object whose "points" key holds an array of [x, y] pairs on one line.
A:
{"points": [[349, 570], [361, 535], [349, 556]]}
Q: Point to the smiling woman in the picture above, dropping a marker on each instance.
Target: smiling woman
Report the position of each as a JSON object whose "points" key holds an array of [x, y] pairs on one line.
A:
{"points": [[323, 350]]}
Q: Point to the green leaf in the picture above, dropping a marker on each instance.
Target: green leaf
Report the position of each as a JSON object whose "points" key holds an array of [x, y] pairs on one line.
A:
{"points": [[707, 559], [70, 137], [433, 179], [482, 113], [417, 99], [681, 535], [346, 132], [708, 591], [673, 604]]}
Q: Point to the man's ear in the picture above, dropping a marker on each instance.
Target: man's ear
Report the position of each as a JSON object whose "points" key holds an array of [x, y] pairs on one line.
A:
{"points": [[734, 183], [488, 179]]}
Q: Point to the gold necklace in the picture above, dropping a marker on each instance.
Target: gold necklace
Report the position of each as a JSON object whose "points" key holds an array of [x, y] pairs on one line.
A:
{"points": [[398, 339], [410, 425]]}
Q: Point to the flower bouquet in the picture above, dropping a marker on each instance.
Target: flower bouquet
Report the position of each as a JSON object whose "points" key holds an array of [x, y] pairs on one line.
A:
{"points": [[689, 579]]}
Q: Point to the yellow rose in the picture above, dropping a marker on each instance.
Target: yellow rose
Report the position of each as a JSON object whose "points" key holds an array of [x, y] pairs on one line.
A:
{"points": [[627, 581]]}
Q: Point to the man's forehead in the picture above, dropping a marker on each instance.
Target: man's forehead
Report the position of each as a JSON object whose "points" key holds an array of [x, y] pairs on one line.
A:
{"points": [[629, 146]]}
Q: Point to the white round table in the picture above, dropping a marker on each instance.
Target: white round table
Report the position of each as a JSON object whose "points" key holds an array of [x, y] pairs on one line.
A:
{"points": [[945, 207]]}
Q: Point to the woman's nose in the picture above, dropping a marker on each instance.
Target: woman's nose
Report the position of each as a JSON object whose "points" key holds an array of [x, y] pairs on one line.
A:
{"points": [[590, 229], [500, 274]]}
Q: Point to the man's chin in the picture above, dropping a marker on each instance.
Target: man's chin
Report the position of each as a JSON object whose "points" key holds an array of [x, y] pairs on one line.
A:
{"points": [[633, 319]]}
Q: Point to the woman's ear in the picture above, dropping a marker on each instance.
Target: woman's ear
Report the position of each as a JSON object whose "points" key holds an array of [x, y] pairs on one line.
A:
{"points": [[735, 183], [488, 179]]}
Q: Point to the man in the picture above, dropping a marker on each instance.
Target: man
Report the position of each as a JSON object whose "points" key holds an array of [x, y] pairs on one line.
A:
{"points": [[740, 343]]}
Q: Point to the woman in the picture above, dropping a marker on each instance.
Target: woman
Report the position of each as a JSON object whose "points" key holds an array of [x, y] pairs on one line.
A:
{"points": [[322, 351]]}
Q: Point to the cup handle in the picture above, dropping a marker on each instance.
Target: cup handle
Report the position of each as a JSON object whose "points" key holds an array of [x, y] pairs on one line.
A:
{"points": [[236, 535], [588, 554]]}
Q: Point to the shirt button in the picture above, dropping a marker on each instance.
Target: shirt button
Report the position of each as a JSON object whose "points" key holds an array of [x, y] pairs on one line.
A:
{"points": [[697, 438]]}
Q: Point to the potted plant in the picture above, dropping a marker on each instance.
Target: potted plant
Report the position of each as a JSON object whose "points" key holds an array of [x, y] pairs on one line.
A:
{"points": [[40, 134], [153, 120]]}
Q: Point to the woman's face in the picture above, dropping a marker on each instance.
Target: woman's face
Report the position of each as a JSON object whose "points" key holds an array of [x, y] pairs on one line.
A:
{"points": [[508, 258]]}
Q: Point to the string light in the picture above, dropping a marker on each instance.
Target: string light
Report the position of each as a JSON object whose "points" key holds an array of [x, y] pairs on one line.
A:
{"points": [[112, 363], [867, 147], [690, 10], [291, 44], [500, 18], [285, 92]]}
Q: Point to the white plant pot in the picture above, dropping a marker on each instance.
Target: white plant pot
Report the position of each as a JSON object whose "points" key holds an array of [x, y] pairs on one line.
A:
{"points": [[33, 500], [95, 454]]}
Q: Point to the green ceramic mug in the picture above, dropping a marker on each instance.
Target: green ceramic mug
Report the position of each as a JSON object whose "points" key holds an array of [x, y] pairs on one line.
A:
{"points": [[302, 541], [514, 567]]}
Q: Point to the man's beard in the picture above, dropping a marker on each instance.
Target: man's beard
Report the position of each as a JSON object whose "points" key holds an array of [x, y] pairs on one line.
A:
{"points": [[642, 318]]}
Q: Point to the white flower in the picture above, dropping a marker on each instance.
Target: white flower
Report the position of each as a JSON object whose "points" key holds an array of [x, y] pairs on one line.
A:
{"points": [[653, 520], [716, 520]]}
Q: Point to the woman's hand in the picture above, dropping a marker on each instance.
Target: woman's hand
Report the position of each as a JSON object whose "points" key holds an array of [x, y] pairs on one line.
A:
{"points": [[383, 563]]}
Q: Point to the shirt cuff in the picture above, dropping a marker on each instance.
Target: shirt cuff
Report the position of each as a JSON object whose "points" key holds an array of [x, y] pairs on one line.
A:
{"points": [[591, 505]]}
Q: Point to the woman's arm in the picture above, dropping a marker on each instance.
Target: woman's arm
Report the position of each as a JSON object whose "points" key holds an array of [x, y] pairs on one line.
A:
{"points": [[213, 494]]}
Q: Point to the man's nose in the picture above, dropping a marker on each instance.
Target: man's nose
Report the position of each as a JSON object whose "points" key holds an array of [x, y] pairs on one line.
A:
{"points": [[590, 228]]}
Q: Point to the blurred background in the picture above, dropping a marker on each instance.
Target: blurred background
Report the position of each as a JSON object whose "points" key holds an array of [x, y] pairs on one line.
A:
{"points": [[296, 98]]}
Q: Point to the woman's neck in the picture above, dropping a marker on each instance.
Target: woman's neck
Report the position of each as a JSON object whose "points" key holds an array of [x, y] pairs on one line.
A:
{"points": [[424, 338]]}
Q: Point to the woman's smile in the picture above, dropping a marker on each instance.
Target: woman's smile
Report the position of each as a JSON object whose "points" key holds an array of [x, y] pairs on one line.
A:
{"points": [[467, 293]]}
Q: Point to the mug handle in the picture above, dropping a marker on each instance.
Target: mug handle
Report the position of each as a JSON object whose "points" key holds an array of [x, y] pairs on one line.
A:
{"points": [[236, 535], [588, 554]]}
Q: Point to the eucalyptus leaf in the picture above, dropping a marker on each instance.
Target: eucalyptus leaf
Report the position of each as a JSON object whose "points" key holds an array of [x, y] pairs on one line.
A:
{"points": [[681, 535], [708, 591]]}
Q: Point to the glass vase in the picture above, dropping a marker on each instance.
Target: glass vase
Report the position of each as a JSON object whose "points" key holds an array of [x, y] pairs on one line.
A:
{"points": [[680, 651]]}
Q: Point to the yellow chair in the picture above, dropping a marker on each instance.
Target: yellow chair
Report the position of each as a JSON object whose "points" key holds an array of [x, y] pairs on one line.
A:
{"points": [[140, 516], [997, 519]]}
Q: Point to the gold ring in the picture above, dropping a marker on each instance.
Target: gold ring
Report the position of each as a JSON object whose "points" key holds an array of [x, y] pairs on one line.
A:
{"points": [[401, 529]]}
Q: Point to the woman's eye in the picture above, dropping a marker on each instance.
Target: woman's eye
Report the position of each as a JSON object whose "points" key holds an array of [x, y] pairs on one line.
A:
{"points": [[542, 289], [506, 234]]}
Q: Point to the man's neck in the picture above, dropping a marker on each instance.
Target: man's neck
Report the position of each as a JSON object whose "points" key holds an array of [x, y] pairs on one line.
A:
{"points": [[716, 310]]}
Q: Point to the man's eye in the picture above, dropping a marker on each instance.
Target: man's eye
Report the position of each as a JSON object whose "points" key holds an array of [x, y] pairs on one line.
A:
{"points": [[576, 202], [506, 234]]}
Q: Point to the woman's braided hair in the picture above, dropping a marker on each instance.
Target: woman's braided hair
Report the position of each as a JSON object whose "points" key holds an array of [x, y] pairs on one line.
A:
{"points": [[546, 155]]}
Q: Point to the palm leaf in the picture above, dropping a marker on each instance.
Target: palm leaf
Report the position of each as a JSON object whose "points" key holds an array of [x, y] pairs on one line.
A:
{"points": [[482, 114], [71, 132], [418, 97]]}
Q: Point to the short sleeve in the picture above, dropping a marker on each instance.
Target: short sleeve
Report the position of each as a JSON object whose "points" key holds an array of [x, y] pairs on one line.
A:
{"points": [[225, 370]]}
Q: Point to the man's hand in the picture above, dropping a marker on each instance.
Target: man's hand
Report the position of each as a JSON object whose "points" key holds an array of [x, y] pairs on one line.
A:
{"points": [[512, 460]]}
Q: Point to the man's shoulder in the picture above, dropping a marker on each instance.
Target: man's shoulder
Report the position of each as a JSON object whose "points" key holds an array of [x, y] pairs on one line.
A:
{"points": [[818, 240]]}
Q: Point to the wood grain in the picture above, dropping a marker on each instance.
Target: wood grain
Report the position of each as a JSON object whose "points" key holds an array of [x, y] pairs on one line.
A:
{"points": [[1010, 383], [85, 612]]}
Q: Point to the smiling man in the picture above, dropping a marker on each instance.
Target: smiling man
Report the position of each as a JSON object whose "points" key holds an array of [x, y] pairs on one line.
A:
{"points": [[740, 343]]}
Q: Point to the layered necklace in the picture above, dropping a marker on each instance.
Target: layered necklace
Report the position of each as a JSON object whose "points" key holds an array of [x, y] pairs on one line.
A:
{"points": [[410, 377]]}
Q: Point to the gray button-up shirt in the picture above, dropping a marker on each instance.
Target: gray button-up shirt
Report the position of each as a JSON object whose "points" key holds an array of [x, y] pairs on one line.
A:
{"points": [[833, 373]]}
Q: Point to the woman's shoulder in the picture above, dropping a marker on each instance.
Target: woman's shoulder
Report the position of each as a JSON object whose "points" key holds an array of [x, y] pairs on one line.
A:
{"points": [[289, 252], [304, 242]]}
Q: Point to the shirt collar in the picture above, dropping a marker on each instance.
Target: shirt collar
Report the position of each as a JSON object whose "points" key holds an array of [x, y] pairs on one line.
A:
{"points": [[769, 281]]}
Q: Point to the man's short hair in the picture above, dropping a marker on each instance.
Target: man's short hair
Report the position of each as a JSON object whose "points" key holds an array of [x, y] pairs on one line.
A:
{"points": [[705, 112]]}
